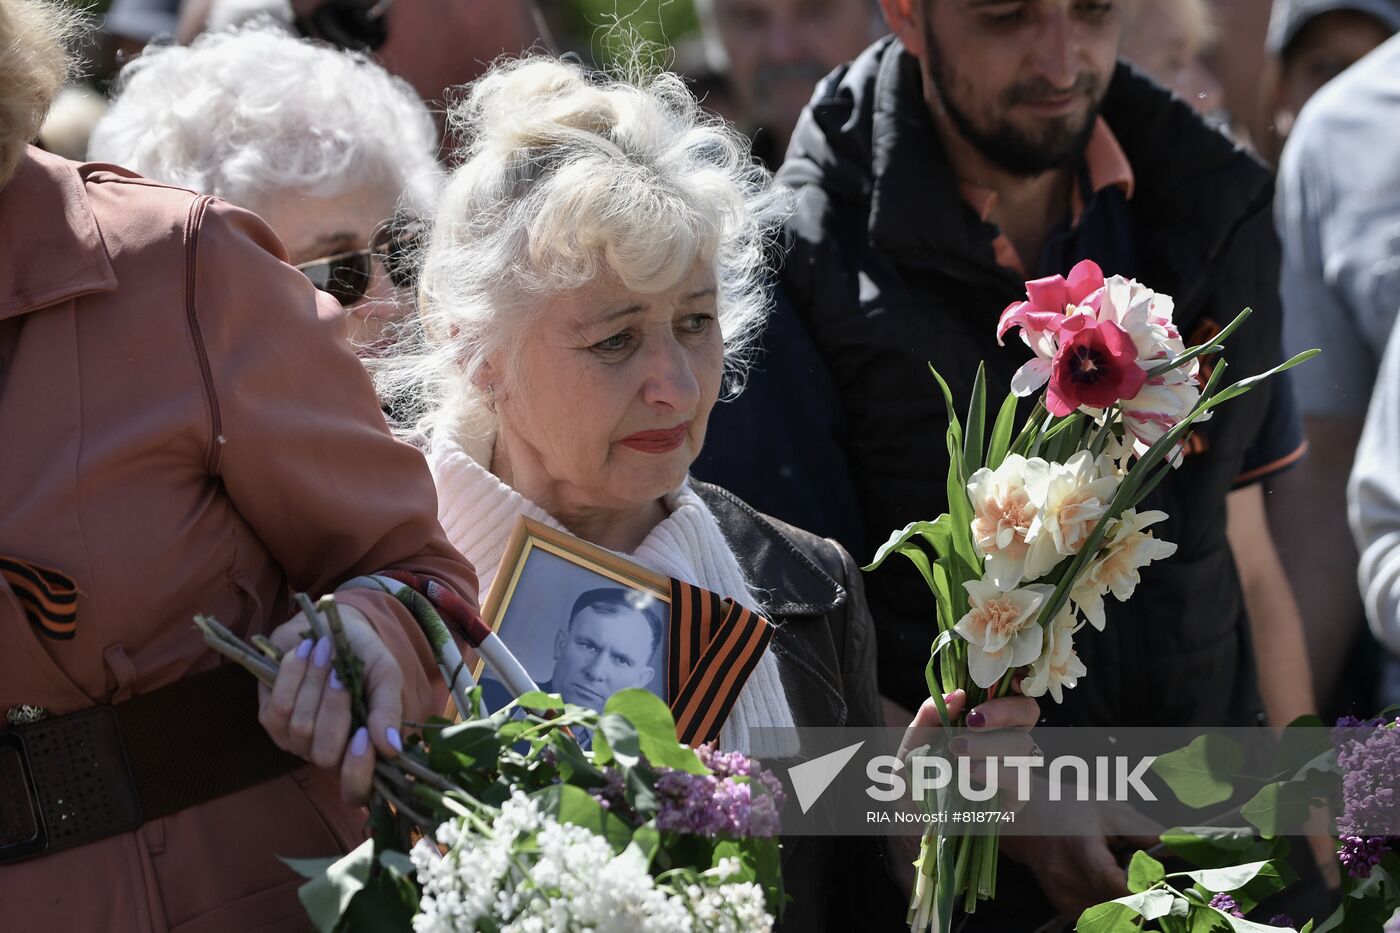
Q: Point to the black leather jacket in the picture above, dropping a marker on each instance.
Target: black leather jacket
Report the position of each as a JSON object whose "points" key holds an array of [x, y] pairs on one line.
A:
{"points": [[811, 590]]}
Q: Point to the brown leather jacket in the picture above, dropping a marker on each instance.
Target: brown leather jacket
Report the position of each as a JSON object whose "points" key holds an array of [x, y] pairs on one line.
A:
{"points": [[184, 430]]}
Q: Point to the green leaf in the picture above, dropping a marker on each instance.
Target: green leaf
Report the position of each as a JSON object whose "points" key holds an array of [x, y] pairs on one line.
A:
{"points": [[310, 867], [1241, 925], [327, 896], [388, 902], [1279, 808], [655, 728], [623, 744], [954, 428], [1210, 346], [399, 862], [1220, 846], [1143, 872], [928, 530], [570, 804], [1244, 385], [466, 746], [1000, 443], [646, 840], [976, 423], [1232, 878], [1113, 917], [1200, 773], [539, 702]]}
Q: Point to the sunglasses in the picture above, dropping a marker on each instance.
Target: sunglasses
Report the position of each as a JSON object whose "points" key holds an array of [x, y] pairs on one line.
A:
{"points": [[346, 276]]}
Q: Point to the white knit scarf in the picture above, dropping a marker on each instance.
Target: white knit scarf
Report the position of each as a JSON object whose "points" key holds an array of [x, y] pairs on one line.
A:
{"points": [[478, 512]]}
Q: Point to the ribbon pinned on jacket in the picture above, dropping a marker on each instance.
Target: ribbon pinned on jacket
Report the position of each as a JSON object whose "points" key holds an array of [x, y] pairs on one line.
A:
{"points": [[715, 646], [49, 598]]}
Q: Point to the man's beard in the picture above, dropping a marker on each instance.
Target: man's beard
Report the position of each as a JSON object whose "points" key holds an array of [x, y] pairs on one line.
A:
{"points": [[1004, 145]]}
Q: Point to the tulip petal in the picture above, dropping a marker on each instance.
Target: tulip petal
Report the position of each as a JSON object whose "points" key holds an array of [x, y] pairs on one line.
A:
{"points": [[1030, 377], [1048, 294]]}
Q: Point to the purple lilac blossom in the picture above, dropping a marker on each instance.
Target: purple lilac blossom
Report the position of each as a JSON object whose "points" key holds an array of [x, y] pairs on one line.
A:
{"points": [[1369, 756], [720, 803], [1360, 854], [1226, 904]]}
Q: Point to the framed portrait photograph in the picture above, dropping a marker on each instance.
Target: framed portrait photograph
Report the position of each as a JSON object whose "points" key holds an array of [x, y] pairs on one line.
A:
{"points": [[584, 622]]}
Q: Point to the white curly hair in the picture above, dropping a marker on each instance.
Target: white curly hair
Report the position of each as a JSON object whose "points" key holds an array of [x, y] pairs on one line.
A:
{"points": [[568, 178], [252, 113]]}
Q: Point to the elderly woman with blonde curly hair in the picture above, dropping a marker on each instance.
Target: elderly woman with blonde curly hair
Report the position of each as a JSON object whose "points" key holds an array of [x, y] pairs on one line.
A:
{"points": [[592, 283], [184, 431]]}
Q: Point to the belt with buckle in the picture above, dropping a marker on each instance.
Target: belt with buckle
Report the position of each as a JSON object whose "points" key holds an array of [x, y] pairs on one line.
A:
{"points": [[70, 780]]}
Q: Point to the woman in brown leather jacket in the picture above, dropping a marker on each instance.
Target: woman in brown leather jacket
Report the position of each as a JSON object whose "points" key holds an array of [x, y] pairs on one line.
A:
{"points": [[183, 430]]}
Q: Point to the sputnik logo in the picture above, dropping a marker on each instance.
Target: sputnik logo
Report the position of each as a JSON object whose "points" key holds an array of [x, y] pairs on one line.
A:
{"points": [[811, 778]]}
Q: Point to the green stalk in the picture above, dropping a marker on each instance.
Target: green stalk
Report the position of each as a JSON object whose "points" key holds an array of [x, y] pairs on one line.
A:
{"points": [[1214, 345]]}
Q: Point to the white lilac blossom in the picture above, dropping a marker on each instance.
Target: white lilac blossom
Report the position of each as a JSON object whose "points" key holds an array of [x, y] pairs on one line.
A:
{"points": [[529, 873]]}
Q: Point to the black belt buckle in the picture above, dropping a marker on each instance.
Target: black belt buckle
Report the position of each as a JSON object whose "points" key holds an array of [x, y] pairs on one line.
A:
{"points": [[21, 823], [64, 782]]}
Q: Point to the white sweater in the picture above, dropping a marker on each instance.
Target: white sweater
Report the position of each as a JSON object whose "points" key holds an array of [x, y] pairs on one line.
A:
{"points": [[478, 512]]}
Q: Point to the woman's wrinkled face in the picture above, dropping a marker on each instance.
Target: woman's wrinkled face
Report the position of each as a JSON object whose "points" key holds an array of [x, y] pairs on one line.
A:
{"points": [[312, 228], [611, 393]]}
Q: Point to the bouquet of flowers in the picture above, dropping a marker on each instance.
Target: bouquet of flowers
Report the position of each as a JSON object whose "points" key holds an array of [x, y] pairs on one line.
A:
{"points": [[1042, 522], [504, 823]]}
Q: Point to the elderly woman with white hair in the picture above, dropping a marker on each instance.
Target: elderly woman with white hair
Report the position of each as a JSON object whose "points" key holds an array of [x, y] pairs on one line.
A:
{"points": [[593, 279], [324, 145]]}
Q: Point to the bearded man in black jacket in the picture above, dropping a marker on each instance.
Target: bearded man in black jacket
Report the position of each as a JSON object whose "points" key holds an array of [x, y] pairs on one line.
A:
{"points": [[985, 143]]}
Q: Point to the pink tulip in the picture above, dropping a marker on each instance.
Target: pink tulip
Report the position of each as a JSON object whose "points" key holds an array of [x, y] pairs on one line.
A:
{"points": [[1095, 366]]}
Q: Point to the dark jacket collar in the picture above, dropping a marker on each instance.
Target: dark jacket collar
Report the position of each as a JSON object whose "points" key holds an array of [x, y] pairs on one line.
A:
{"points": [[868, 132], [51, 248], [787, 581]]}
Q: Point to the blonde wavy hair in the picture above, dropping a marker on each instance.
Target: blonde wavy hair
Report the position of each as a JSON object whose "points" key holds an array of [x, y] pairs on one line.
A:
{"points": [[35, 63], [568, 178]]}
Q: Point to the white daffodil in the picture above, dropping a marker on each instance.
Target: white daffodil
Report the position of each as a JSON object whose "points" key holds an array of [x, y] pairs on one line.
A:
{"points": [[1069, 499], [1058, 668], [1116, 570], [1000, 629], [1002, 516]]}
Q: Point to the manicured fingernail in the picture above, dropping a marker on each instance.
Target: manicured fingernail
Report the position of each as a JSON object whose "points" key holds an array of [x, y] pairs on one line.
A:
{"points": [[976, 720], [304, 649], [959, 746], [392, 735], [322, 656], [335, 681], [359, 744]]}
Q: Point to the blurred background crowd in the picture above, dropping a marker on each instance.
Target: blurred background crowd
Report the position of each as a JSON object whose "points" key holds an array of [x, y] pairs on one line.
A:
{"points": [[1312, 87]]}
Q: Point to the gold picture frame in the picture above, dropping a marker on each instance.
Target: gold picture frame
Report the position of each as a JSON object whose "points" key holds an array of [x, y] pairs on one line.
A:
{"points": [[534, 556]]}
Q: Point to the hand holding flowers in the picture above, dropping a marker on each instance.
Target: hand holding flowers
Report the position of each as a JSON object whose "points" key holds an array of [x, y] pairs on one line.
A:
{"points": [[1043, 524]]}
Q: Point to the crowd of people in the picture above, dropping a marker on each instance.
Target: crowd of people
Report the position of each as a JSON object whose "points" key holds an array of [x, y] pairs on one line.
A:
{"points": [[297, 292]]}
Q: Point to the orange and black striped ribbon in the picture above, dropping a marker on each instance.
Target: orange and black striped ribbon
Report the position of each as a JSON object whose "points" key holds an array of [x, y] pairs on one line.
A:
{"points": [[49, 598], [715, 645]]}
